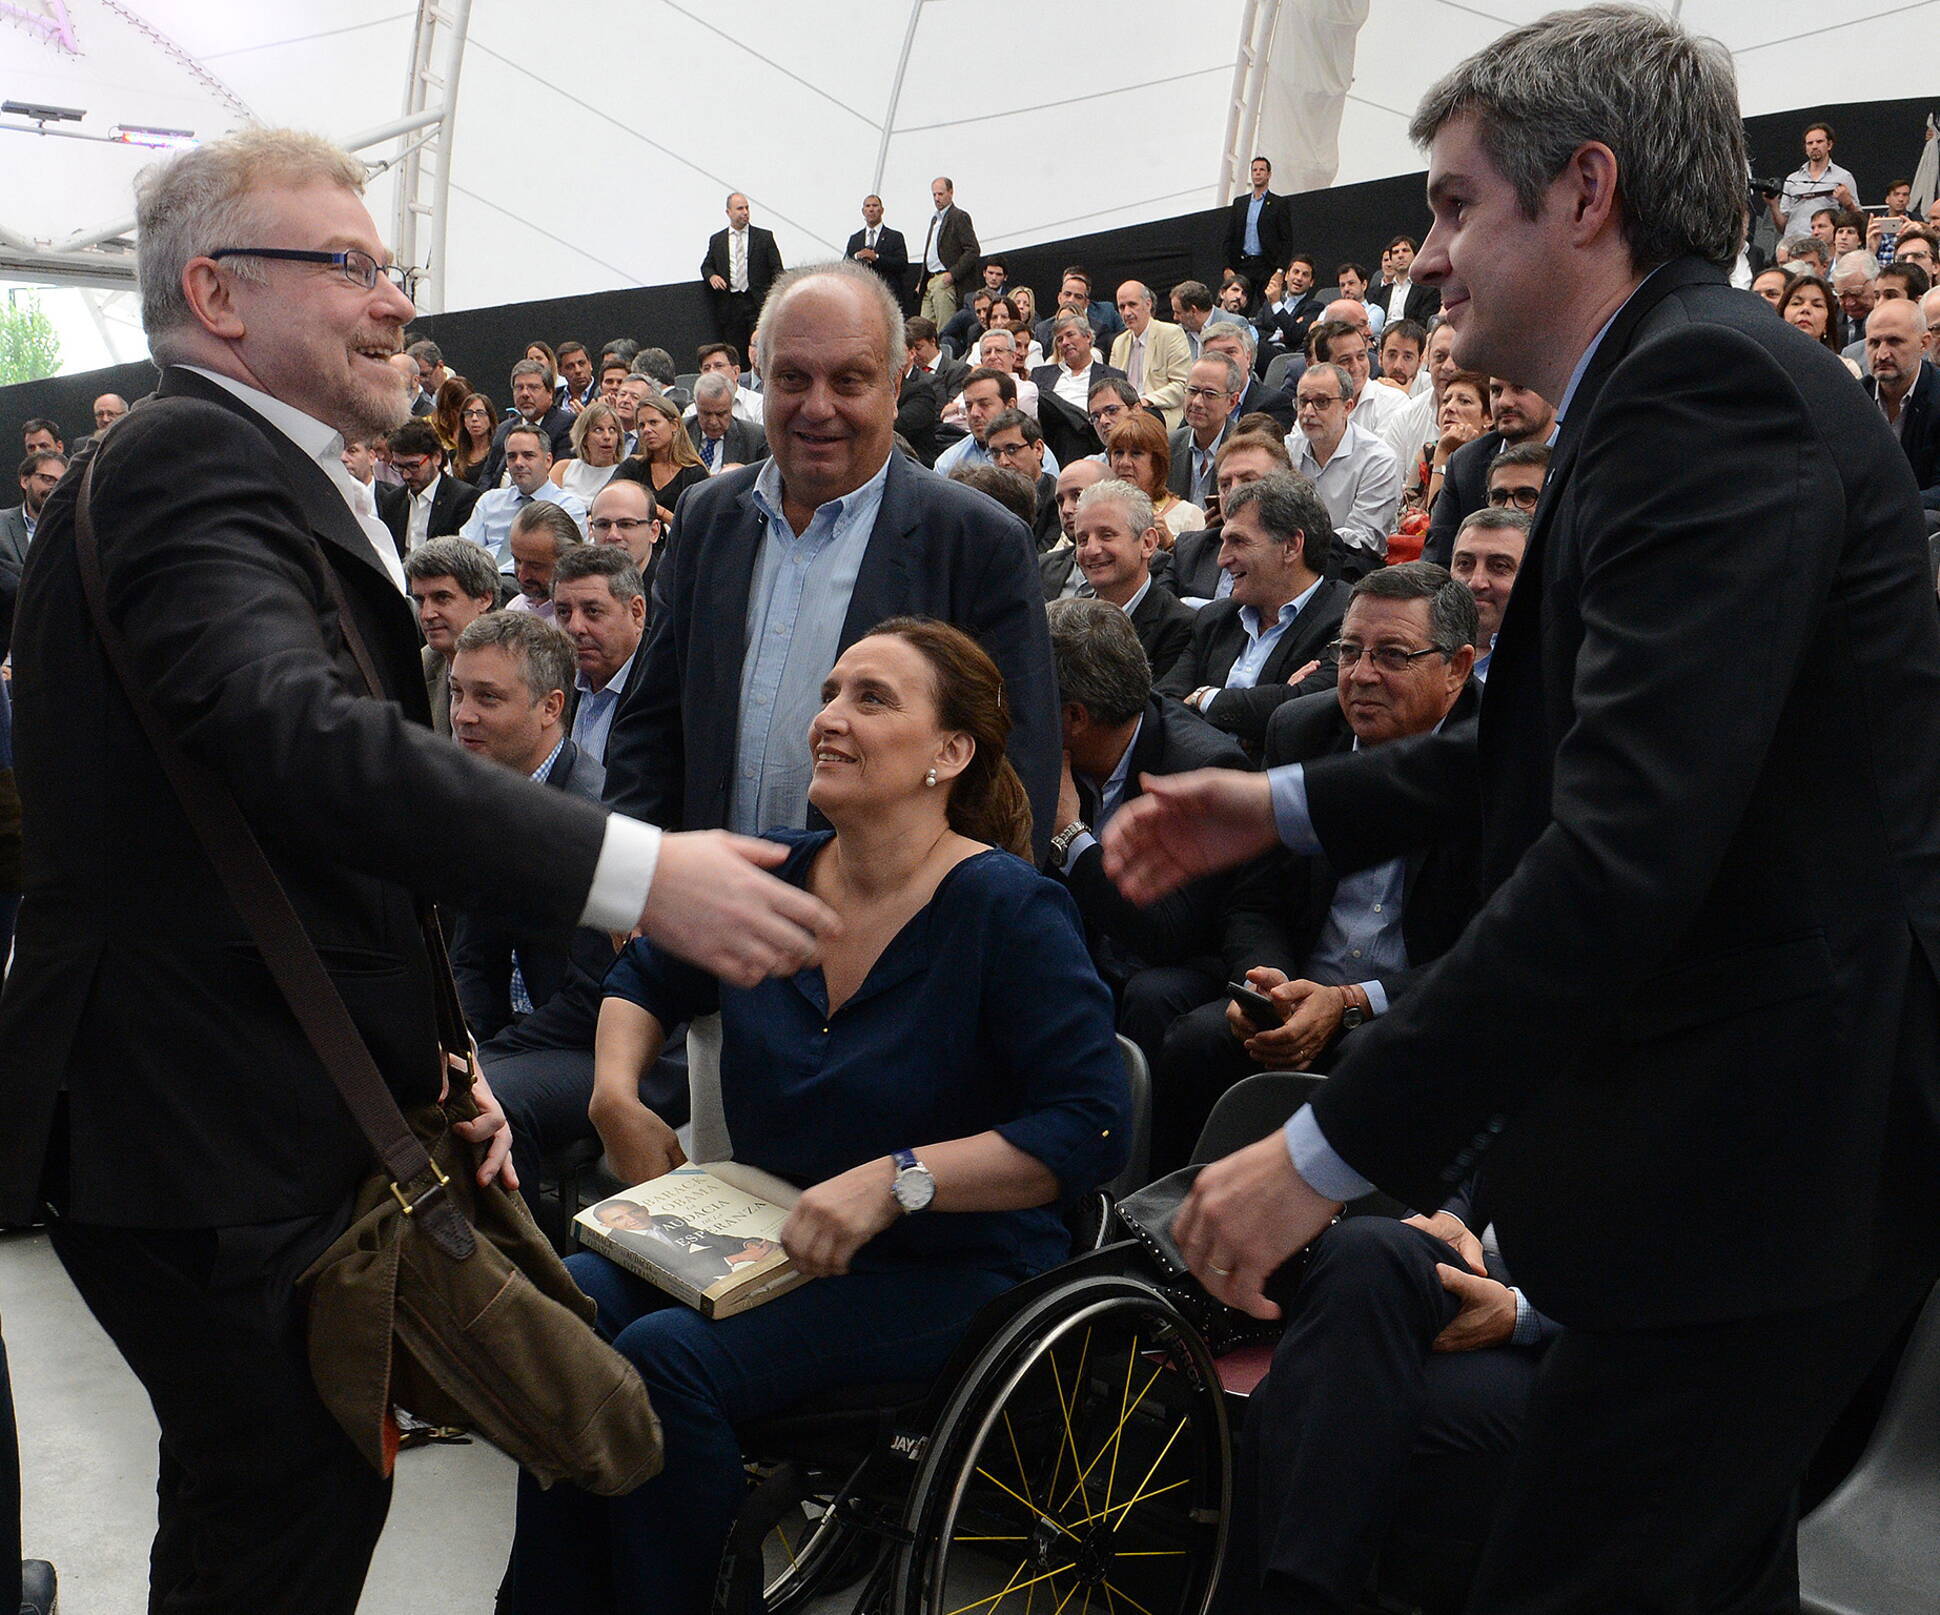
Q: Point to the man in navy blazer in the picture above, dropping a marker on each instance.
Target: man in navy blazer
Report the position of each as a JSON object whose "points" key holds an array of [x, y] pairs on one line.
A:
{"points": [[1895, 334], [882, 249], [1693, 1033], [717, 742]]}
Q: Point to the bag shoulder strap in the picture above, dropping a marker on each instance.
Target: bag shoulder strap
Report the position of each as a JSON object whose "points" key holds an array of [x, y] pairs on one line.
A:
{"points": [[273, 923]]}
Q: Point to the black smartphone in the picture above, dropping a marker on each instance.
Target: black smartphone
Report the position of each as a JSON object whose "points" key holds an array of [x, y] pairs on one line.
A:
{"points": [[1254, 1005]]}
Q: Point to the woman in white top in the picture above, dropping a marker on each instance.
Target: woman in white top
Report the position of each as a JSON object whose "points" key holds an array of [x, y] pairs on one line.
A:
{"points": [[598, 443]]}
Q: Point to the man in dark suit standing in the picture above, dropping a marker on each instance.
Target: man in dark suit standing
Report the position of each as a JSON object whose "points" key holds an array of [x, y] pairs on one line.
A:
{"points": [[1270, 639], [157, 1089], [1259, 231], [427, 504], [1690, 915], [742, 262], [882, 249], [715, 740]]}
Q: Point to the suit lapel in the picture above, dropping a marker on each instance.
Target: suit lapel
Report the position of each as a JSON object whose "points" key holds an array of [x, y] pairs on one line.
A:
{"points": [[884, 574], [732, 575]]}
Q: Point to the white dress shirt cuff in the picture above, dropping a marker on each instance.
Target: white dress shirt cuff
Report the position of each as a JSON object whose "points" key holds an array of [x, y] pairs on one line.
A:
{"points": [[1290, 815], [623, 876], [1319, 1167]]}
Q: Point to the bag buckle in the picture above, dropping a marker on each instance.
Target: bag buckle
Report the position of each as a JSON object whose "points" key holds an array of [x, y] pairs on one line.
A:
{"points": [[410, 1207]]}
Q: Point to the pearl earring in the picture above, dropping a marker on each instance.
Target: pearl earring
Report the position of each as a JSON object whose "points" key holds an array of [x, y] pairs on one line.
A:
{"points": [[930, 777]]}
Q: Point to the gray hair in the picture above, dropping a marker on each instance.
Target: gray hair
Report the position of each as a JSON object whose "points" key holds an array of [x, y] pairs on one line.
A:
{"points": [[609, 561], [1144, 291], [1062, 321], [1290, 509], [713, 388], [542, 515], [1496, 518], [1136, 502], [544, 654], [1856, 263], [1664, 101], [465, 563], [1795, 247], [199, 201], [863, 280], [1452, 618], [1235, 377], [1342, 379], [531, 367], [1100, 664], [426, 351], [656, 363], [1241, 330]]}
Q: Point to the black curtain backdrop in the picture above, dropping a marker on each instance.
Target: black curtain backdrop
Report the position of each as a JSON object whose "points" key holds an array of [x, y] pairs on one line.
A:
{"points": [[1878, 141]]}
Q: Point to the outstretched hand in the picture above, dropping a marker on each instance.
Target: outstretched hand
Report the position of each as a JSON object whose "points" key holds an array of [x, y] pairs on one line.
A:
{"points": [[713, 903], [1185, 826]]}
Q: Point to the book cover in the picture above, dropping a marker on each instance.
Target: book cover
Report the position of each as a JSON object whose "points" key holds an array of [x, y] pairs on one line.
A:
{"points": [[697, 1236]]}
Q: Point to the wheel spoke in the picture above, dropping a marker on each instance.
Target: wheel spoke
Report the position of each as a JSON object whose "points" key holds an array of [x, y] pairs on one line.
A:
{"points": [[1035, 1510], [1018, 1587], [1064, 1408], [1023, 1475], [1139, 1490], [786, 1546], [1139, 1497], [1113, 1437], [1110, 1589]]}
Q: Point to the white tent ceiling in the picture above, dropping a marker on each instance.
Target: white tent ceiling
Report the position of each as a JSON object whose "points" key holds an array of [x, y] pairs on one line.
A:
{"points": [[593, 143]]}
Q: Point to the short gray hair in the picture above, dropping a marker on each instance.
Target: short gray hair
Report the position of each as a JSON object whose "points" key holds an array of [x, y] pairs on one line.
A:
{"points": [[1664, 101], [1136, 502], [1496, 519], [1100, 664], [1235, 377], [544, 655], [200, 201], [1062, 321], [1290, 508], [712, 388], [465, 563], [1795, 247], [1452, 618], [1342, 379], [1856, 263], [531, 367], [1240, 330], [865, 281]]}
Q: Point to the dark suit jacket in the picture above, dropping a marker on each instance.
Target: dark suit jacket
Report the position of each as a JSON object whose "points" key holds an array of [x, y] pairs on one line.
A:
{"points": [[1218, 637], [891, 260], [1103, 319], [956, 250], [1185, 923], [482, 943], [1465, 490], [450, 506], [743, 445], [632, 674], [1710, 856], [1045, 376], [938, 549], [1421, 304], [1920, 429], [1179, 441], [919, 408], [1195, 565], [764, 262], [1258, 399], [13, 560], [1163, 626], [948, 374], [192, 1099], [1286, 331], [558, 427], [1276, 230], [1279, 904]]}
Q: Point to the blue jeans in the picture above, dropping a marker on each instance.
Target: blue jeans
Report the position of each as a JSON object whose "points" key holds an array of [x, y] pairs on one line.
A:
{"points": [[658, 1548]]}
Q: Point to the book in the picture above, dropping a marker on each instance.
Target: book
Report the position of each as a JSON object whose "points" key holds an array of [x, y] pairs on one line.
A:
{"points": [[699, 1236]]}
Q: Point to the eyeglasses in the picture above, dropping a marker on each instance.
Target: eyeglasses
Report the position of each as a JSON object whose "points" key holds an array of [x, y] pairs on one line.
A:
{"points": [[1206, 392], [1099, 417], [620, 524], [412, 463], [1521, 498], [1007, 451], [1386, 658], [1313, 401], [359, 268]]}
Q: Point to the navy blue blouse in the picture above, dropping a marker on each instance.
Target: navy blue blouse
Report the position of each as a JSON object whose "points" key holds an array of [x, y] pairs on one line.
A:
{"points": [[983, 1013]]}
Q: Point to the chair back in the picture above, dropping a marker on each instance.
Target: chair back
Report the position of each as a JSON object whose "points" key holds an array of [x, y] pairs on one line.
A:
{"points": [[1250, 1109], [1138, 1164], [686, 379], [1276, 372]]}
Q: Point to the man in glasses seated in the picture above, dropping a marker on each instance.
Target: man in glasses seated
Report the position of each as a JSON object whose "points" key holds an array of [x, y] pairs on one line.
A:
{"points": [[1333, 951], [425, 504]]}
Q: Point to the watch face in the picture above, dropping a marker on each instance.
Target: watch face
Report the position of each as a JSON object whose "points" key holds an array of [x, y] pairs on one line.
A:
{"points": [[914, 1188]]}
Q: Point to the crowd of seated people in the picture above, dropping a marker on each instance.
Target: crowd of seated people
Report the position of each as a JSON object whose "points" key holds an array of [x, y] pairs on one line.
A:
{"points": [[725, 608]]}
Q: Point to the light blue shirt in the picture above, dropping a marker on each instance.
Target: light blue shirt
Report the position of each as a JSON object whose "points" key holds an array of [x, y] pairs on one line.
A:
{"points": [[490, 524], [593, 718], [799, 600], [1246, 670], [1251, 245], [965, 451], [1111, 795]]}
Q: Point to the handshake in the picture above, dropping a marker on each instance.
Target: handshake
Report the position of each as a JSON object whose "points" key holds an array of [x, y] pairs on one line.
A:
{"points": [[714, 903]]}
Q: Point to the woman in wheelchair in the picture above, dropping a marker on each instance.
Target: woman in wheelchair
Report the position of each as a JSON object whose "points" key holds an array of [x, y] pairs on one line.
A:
{"points": [[936, 1088]]}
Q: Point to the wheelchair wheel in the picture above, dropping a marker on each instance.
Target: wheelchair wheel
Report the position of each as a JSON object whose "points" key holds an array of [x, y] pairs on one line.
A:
{"points": [[810, 1551], [1082, 1465]]}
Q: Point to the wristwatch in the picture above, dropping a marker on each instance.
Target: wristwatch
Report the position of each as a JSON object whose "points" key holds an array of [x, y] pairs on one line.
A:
{"points": [[1061, 842], [1351, 1015], [913, 1186]]}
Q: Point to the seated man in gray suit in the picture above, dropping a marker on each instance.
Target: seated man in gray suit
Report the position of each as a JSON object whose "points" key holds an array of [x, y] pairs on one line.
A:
{"points": [[721, 436]]}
